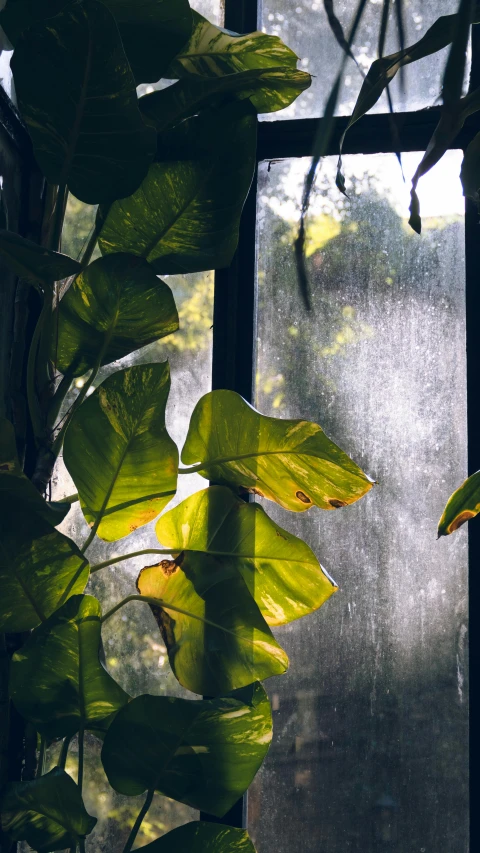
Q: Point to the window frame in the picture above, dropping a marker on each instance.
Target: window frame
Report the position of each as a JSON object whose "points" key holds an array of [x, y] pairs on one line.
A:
{"points": [[235, 296]]}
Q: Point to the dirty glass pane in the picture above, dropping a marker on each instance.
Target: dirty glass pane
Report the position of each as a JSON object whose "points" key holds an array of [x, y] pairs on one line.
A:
{"points": [[134, 651], [370, 722], [303, 25]]}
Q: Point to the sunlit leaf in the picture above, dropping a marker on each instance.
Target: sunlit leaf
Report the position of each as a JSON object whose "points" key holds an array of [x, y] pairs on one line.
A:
{"points": [[34, 263], [17, 493], [463, 505], [202, 753], [291, 462], [56, 679], [202, 837], [185, 217], [39, 569], [215, 52], [77, 95], [281, 572], [152, 31], [118, 452], [211, 659], [115, 306], [48, 813]]}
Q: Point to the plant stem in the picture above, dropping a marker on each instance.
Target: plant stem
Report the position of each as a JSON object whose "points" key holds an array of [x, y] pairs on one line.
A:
{"points": [[55, 231], [57, 444], [33, 403], [64, 752], [90, 247], [41, 757], [57, 400], [136, 826], [159, 602], [69, 499], [98, 566], [81, 741]]}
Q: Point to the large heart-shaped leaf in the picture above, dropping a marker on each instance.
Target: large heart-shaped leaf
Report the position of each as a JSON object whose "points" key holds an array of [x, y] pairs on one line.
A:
{"points": [[268, 89], [115, 306], [48, 813], [77, 95], [56, 679], [152, 31], [291, 462], [119, 454], [185, 217], [235, 646], [34, 263], [202, 837], [39, 570], [281, 571], [463, 505], [215, 52], [203, 753], [17, 493]]}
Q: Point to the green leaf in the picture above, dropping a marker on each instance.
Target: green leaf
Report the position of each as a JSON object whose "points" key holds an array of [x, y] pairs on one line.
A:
{"points": [[202, 753], [56, 679], [281, 572], [77, 95], [463, 505], [114, 307], [119, 454], [202, 837], [39, 569], [268, 90], [48, 813], [383, 70], [185, 217], [290, 462], [17, 493], [215, 52], [34, 263], [207, 659], [470, 173], [153, 32]]}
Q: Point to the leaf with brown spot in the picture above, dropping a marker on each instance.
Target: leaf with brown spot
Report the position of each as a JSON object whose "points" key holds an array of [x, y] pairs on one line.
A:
{"points": [[290, 462], [463, 505], [280, 571]]}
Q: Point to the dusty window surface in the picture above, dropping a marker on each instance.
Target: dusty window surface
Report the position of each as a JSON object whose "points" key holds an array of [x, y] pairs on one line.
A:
{"points": [[370, 723], [303, 25]]}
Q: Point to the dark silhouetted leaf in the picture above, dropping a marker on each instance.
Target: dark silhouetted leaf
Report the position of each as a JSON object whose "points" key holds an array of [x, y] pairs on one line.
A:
{"points": [[206, 659], [77, 95], [34, 263], [185, 217], [56, 679], [463, 505], [48, 813], [290, 462], [115, 306], [281, 571], [119, 454], [203, 753]]}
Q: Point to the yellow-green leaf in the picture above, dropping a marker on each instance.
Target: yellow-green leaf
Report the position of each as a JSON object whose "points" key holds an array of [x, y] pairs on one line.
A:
{"points": [[291, 462], [463, 505], [281, 572]]}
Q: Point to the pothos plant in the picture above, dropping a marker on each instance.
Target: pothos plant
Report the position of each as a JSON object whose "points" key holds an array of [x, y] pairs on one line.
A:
{"points": [[169, 172]]}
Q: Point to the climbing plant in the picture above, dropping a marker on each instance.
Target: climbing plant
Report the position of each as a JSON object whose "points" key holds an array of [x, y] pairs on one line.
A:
{"points": [[169, 171]]}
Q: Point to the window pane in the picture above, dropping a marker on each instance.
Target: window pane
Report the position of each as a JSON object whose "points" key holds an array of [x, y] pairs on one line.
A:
{"points": [[303, 25], [134, 650], [370, 723]]}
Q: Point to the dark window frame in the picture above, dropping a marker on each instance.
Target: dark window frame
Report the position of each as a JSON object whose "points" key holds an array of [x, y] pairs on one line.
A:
{"points": [[235, 299]]}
